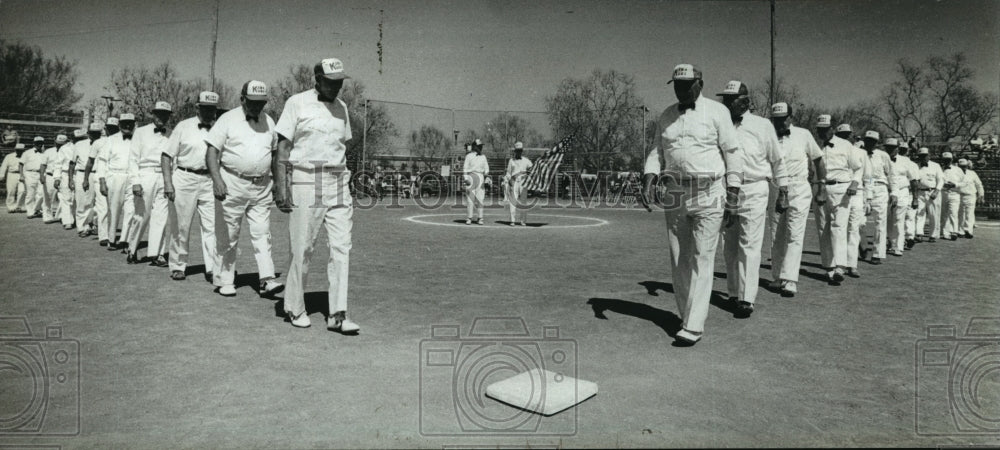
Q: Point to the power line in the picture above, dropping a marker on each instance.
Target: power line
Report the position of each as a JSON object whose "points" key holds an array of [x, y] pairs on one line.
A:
{"points": [[102, 30]]}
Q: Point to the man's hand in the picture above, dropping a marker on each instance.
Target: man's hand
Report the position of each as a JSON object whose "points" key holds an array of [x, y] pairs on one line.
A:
{"points": [[731, 214], [72, 186], [219, 189], [86, 185], [781, 205], [821, 196], [137, 190], [104, 188], [948, 185], [934, 194], [168, 192], [56, 183], [892, 201], [914, 204], [646, 196], [868, 207], [852, 190], [283, 200]]}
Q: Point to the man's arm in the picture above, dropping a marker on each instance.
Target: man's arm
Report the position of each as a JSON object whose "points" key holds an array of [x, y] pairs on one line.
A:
{"points": [[212, 161], [86, 173], [280, 171]]}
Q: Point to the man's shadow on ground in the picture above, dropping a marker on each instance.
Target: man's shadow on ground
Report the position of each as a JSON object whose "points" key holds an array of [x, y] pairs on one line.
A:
{"points": [[668, 321]]}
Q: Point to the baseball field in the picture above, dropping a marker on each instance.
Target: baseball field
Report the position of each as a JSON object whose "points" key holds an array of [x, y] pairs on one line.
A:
{"points": [[120, 356]]}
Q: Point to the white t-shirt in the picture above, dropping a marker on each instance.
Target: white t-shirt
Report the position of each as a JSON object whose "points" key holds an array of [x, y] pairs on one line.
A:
{"points": [[246, 146], [187, 144], [318, 130]]}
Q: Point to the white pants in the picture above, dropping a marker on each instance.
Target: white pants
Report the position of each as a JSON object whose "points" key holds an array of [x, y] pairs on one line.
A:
{"points": [[517, 200], [897, 219], [84, 201], [33, 192], [192, 193], [67, 201], [693, 228], [822, 231], [928, 213], [331, 210], [967, 215], [100, 208], [50, 202], [120, 205], [474, 196], [743, 242], [877, 224], [790, 231], [15, 191], [150, 213], [838, 211], [951, 203], [855, 222], [252, 200]]}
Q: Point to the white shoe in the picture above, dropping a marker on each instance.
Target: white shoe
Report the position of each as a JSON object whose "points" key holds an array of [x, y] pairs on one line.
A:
{"points": [[344, 326], [687, 338], [468, 221], [512, 223], [789, 288], [301, 321], [270, 287], [227, 290], [480, 221], [523, 224]]}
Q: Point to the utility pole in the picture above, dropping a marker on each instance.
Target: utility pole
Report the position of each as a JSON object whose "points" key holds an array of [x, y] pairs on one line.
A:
{"points": [[215, 41], [773, 81]]}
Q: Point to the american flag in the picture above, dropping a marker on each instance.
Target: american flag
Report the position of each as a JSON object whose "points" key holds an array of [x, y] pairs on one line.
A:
{"points": [[547, 165]]}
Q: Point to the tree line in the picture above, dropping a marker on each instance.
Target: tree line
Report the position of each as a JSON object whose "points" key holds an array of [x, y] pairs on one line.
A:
{"points": [[933, 101]]}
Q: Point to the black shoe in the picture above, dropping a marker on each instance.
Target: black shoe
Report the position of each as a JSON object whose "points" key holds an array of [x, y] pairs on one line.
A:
{"points": [[132, 258], [954, 237], [34, 216], [103, 243], [909, 244], [112, 246], [177, 275], [743, 310], [968, 235], [160, 261], [208, 277], [876, 261], [932, 240]]}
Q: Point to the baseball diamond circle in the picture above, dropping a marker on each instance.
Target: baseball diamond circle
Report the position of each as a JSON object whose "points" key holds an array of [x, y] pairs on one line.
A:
{"points": [[457, 220]]}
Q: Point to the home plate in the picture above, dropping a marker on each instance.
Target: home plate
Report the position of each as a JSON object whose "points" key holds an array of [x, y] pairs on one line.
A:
{"points": [[541, 391]]}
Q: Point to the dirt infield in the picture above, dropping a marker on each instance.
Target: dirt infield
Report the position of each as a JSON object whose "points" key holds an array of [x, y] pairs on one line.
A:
{"points": [[171, 364]]}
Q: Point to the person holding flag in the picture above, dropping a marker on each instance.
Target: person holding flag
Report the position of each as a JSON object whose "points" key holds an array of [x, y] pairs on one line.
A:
{"points": [[518, 169]]}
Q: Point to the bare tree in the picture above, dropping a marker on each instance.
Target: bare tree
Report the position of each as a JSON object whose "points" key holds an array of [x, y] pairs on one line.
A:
{"points": [[429, 143], [605, 113], [500, 134], [31, 82]]}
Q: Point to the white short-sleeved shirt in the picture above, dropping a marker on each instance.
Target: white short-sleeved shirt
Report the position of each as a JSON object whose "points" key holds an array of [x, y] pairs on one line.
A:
{"points": [[95, 147], [476, 163], [700, 142], [798, 149], [12, 163], [51, 159], [319, 131], [518, 166], [880, 165], [931, 176], [246, 146], [187, 144], [953, 174], [761, 157], [66, 155], [81, 151], [116, 153], [903, 171], [842, 160], [145, 150], [32, 160]]}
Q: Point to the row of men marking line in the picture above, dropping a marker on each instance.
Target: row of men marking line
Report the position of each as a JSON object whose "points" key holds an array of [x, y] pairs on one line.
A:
{"points": [[731, 170]]}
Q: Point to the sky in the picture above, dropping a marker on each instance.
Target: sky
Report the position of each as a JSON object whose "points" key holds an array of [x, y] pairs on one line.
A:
{"points": [[510, 55]]}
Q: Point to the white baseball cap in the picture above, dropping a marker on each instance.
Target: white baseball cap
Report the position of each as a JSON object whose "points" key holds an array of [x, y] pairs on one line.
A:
{"points": [[38, 139], [113, 121], [96, 126], [924, 151], [892, 142], [963, 162], [255, 90], [19, 146], [79, 132], [518, 145], [162, 106], [872, 134], [844, 127], [331, 68], [824, 121], [126, 117], [779, 109], [685, 72], [208, 98], [478, 142], [61, 139], [946, 155], [734, 87]]}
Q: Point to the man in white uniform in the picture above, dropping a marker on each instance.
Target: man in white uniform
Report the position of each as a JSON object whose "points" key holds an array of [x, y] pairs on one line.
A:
{"points": [[824, 124], [67, 199], [910, 227], [928, 198], [11, 170], [96, 164], [476, 169], [189, 186], [972, 192], [114, 181], [879, 186], [904, 184], [240, 147], [843, 165], [313, 185], [81, 185], [146, 178], [801, 156], [31, 166], [762, 164], [517, 173], [860, 204], [951, 199], [701, 166], [50, 169]]}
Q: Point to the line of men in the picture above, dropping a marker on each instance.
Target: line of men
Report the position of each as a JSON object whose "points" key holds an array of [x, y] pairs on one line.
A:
{"points": [[718, 169], [150, 182]]}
